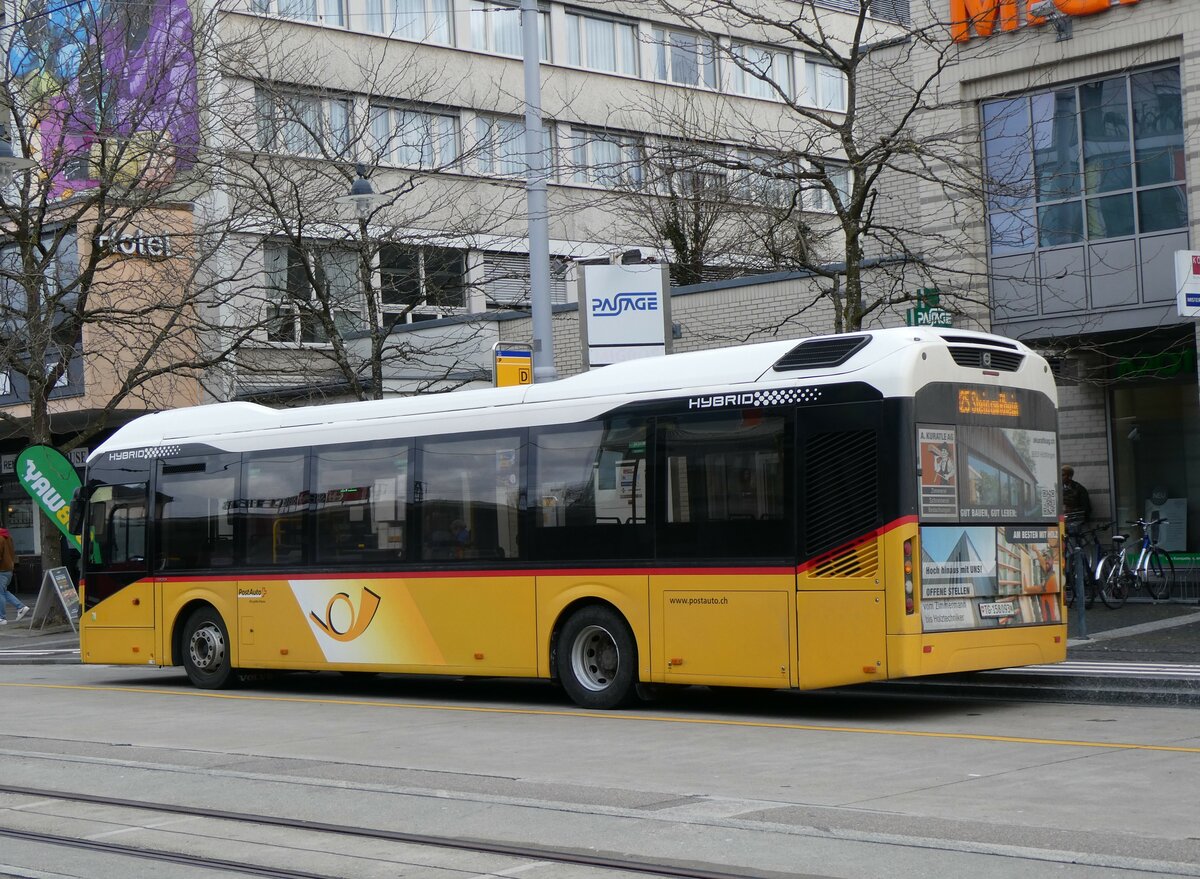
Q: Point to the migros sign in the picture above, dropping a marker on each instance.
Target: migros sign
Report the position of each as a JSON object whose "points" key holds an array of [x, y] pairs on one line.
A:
{"points": [[982, 18]]}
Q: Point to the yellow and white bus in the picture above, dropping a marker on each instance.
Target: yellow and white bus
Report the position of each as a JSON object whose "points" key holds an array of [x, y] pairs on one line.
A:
{"points": [[795, 514]]}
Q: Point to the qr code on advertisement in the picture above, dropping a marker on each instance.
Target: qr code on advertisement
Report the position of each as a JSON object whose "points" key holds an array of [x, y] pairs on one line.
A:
{"points": [[1049, 501]]}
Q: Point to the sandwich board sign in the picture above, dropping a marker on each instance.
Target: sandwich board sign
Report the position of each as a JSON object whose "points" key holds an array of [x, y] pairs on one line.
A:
{"points": [[57, 592]]}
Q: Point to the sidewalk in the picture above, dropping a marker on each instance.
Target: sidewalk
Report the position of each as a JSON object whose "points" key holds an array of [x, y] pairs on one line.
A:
{"points": [[56, 641], [1138, 632]]}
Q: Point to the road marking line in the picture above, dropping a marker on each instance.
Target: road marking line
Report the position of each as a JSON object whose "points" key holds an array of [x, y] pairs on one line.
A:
{"points": [[602, 716]]}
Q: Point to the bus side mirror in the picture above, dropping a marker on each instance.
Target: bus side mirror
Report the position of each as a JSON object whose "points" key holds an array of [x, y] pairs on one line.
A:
{"points": [[75, 521]]}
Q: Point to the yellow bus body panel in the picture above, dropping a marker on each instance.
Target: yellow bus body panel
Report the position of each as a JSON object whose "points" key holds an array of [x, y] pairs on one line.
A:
{"points": [[842, 638], [723, 629], [121, 630], [119, 645], [418, 625], [626, 592]]}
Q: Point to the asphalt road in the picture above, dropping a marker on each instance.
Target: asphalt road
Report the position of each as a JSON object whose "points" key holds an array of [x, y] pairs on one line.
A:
{"points": [[767, 784]]}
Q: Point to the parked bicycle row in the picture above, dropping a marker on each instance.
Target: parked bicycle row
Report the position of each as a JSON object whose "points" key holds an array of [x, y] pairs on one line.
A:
{"points": [[1105, 569]]}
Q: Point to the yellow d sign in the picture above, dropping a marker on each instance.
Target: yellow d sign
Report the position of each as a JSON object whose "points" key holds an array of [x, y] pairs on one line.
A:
{"points": [[513, 366]]}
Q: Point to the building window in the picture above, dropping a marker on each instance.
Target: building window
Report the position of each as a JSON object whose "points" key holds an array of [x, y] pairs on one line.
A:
{"points": [[325, 11], [427, 21], [818, 198], [824, 87], [766, 179], [303, 125], [414, 138], [602, 44], [1101, 160], [500, 146], [420, 283], [496, 27], [759, 72], [601, 158], [685, 58], [506, 280], [310, 290]]}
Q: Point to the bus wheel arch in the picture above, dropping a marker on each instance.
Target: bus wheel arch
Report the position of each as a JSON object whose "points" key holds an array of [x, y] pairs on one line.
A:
{"points": [[201, 644], [594, 655]]}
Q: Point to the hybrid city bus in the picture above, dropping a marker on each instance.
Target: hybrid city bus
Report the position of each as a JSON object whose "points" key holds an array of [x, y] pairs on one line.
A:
{"points": [[794, 514]]}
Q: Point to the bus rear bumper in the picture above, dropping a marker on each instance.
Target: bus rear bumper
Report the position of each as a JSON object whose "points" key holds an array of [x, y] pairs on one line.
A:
{"points": [[976, 650]]}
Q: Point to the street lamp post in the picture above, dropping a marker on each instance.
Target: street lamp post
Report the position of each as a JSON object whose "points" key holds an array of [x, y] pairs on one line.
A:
{"points": [[363, 197], [535, 185]]}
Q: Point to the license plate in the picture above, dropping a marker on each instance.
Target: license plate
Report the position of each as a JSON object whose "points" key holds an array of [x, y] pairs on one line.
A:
{"points": [[997, 609]]}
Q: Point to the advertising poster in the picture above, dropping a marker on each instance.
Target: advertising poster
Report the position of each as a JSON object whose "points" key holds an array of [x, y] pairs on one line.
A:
{"points": [[939, 473], [970, 472], [976, 576]]}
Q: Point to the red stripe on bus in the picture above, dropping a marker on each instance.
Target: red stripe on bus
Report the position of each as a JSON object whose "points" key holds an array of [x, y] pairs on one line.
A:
{"points": [[857, 541], [466, 572]]}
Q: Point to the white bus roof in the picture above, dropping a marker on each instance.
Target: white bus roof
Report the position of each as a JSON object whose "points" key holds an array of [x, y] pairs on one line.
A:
{"points": [[892, 362]]}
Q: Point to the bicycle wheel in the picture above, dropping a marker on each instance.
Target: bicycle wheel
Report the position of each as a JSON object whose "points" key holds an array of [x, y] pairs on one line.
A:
{"points": [[1159, 575], [1114, 590]]}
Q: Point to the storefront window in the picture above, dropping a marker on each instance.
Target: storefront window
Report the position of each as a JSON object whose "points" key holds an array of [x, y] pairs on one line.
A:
{"points": [[18, 519], [1156, 444]]}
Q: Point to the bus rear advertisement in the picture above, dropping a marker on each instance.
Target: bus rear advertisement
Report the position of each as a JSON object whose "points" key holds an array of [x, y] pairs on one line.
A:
{"points": [[798, 514]]}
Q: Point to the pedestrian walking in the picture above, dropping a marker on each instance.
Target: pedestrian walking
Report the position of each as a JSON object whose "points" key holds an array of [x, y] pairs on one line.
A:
{"points": [[8, 562]]}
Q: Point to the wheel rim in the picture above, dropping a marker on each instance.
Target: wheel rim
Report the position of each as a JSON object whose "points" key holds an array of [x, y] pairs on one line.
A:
{"points": [[595, 658], [207, 648]]}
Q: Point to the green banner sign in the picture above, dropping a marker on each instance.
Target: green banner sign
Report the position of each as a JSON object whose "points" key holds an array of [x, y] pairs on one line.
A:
{"points": [[50, 479]]}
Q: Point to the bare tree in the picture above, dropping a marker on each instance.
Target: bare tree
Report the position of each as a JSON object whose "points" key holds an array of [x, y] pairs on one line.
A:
{"points": [[834, 145], [100, 286], [340, 282]]}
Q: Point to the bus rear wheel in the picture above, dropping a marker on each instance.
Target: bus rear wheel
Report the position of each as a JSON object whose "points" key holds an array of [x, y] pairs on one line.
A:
{"points": [[596, 658], [206, 650]]}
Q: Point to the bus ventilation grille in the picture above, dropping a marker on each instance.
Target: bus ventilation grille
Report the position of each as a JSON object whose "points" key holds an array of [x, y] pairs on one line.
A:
{"points": [[821, 353], [1004, 361], [858, 561], [841, 488], [971, 340]]}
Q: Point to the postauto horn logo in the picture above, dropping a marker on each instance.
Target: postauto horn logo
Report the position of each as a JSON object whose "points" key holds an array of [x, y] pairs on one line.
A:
{"points": [[623, 302], [348, 624]]}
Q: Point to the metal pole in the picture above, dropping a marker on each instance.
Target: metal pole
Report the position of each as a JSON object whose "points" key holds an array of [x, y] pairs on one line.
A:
{"points": [[535, 186]]}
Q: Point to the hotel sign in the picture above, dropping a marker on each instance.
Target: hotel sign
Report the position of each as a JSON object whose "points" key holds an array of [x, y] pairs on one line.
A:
{"points": [[135, 243], [982, 18]]}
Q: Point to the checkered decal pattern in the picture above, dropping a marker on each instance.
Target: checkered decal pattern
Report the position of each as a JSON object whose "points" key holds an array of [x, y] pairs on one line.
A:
{"points": [[778, 396], [147, 453]]}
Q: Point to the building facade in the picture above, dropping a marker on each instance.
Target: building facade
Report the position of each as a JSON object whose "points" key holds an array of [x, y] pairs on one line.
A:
{"points": [[1080, 117]]}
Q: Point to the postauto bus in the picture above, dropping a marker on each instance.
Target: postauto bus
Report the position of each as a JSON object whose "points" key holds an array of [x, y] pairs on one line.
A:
{"points": [[802, 514]]}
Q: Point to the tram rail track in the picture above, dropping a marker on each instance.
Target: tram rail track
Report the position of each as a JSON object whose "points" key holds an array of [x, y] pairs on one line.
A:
{"points": [[519, 852]]}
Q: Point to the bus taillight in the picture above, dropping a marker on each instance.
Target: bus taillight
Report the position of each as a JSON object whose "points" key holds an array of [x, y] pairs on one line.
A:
{"points": [[909, 604]]}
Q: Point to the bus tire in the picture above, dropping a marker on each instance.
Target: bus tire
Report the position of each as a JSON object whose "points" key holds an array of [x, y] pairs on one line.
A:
{"points": [[596, 658], [206, 650]]}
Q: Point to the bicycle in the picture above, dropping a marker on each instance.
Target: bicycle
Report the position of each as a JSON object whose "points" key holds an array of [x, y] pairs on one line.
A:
{"points": [[1153, 569], [1086, 558]]}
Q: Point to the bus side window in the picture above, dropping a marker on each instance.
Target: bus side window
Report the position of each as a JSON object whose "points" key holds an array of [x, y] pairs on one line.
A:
{"points": [[726, 491], [361, 504], [589, 491], [195, 501], [274, 508], [470, 498]]}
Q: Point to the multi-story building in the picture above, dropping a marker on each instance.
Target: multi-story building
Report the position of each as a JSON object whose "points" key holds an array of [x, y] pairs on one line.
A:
{"points": [[1081, 115]]}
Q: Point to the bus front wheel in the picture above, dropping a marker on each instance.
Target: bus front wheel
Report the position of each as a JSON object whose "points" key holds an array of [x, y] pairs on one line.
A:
{"points": [[596, 658], [206, 650]]}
